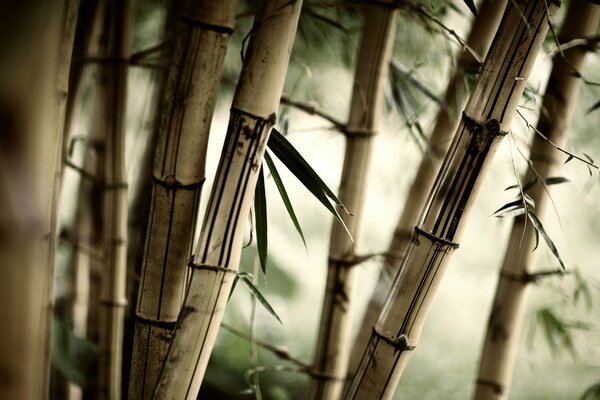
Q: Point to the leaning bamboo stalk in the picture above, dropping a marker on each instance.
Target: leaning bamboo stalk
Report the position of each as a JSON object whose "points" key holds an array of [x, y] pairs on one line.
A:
{"points": [[447, 120], [504, 326], [112, 77], [178, 176], [486, 118], [332, 351], [31, 31], [216, 259]]}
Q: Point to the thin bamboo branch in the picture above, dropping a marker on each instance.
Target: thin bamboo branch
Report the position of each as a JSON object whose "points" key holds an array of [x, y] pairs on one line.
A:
{"points": [[333, 345], [486, 118], [216, 260], [504, 326], [201, 41], [448, 118]]}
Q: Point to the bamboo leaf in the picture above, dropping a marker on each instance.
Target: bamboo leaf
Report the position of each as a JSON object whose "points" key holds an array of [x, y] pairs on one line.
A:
{"points": [[569, 158], [76, 358], [537, 224], [298, 166], [591, 393], [525, 187], [595, 107], [247, 280], [509, 208], [471, 6], [284, 195], [260, 215], [555, 180]]}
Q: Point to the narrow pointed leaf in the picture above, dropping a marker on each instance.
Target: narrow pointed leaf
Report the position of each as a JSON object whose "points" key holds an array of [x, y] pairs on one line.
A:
{"points": [[298, 166], [284, 195], [529, 200], [537, 224], [471, 6], [594, 107], [508, 207], [530, 184], [260, 215], [555, 180], [569, 158], [256, 293]]}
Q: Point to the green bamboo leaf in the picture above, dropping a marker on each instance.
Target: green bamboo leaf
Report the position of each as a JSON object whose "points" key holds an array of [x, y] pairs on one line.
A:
{"points": [[76, 358], [509, 208], [284, 195], [471, 6], [298, 166], [555, 180], [260, 215], [537, 224], [246, 279]]}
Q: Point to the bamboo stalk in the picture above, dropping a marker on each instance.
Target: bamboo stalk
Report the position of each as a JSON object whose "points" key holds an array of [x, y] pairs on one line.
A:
{"points": [[114, 43], [332, 351], [504, 326], [178, 176], [31, 31], [447, 120], [216, 259], [486, 118], [139, 206]]}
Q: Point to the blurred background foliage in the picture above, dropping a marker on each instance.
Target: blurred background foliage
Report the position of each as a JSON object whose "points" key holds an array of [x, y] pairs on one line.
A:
{"points": [[560, 352]]}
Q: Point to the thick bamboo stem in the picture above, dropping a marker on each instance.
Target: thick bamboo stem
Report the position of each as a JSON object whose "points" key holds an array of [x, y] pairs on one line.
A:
{"points": [[28, 104], [178, 177], [479, 40], [112, 77], [217, 257], [504, 326], [486, 118], [332, 352]]}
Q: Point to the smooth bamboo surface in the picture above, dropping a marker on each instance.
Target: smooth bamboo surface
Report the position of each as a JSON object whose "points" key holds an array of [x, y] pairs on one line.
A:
{"points": [[201, 41], [31, 31], [486, 118], [507, 313], [333, 345], [217, 256]]}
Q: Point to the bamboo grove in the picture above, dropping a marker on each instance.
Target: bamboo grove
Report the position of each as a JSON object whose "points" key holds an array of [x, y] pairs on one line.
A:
{"points": [[151, 148]]}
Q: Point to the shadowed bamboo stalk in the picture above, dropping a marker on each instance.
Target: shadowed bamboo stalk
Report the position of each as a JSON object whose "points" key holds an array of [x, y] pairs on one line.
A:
{"points": [[178, 176], [486, 118], [112, 78], [141, 188], [216, 259], [516, 274], [448, 118], [332, 351], [32, 31]]}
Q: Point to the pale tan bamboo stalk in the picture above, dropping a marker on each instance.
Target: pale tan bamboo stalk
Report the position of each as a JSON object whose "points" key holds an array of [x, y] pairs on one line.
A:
{"points": [[32, 32], [486, 118], [447, 120], [178, 176], [112, 77], [333, 345], [517, 272], [216, 259]]}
